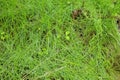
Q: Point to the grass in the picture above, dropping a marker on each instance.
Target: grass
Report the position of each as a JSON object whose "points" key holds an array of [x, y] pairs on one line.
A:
{"points": [[40, 41]]}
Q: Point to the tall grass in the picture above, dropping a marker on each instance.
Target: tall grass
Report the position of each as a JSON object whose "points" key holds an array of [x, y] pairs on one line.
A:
{"points": [[40, 41]]}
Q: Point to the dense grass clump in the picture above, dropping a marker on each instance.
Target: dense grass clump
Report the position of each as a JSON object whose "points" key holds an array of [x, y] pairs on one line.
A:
{"points": [[39, 40]]}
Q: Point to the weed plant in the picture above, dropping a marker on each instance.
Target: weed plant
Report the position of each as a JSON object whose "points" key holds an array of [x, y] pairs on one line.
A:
{"points": [[39, 40]]}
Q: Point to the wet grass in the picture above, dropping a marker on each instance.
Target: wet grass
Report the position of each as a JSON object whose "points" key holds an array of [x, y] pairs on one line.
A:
{"points": [[41, 40]]}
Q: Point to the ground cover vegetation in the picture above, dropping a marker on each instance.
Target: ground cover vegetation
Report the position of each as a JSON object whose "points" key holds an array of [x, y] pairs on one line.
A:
{"points": [[59, 39]]}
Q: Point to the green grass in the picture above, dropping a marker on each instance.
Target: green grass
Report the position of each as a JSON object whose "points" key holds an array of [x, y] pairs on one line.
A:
{"points": [[40, 41]]}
